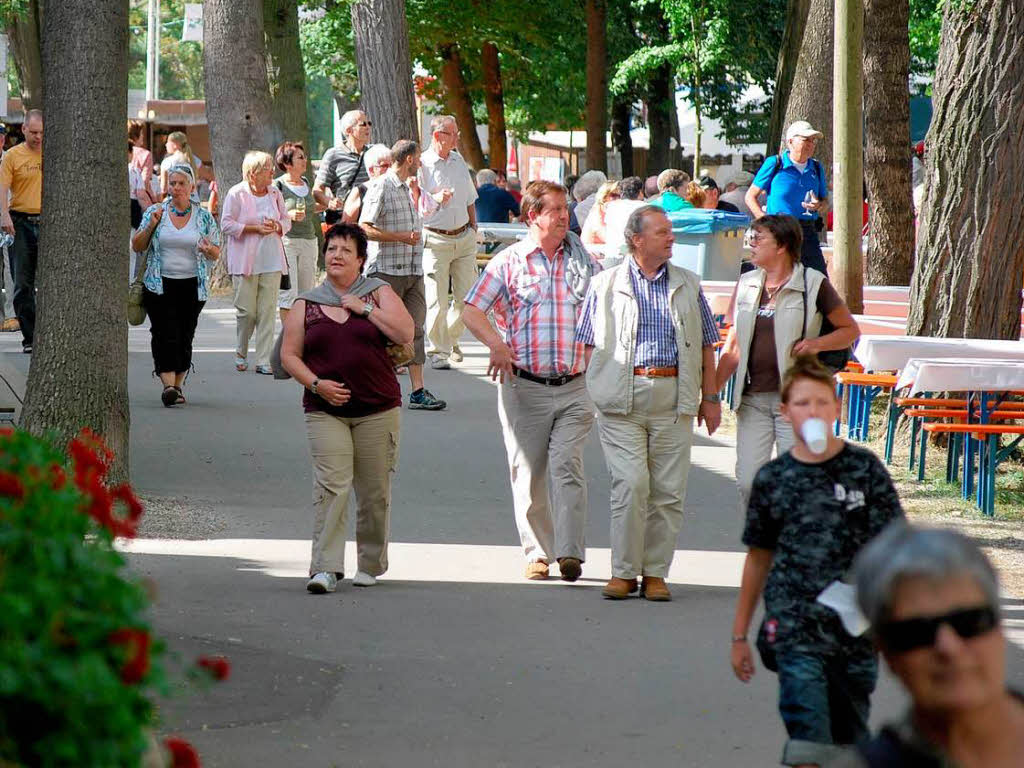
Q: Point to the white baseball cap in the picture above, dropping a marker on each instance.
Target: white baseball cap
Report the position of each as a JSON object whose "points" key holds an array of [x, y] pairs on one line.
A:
{"points": [[802, 128]]}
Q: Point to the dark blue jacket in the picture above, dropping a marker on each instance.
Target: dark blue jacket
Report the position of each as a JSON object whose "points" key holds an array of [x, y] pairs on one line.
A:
{"points": [[494, 204]]}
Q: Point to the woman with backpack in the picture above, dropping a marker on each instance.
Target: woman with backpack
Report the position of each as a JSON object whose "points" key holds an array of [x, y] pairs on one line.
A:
{"points": [[795, 184]]}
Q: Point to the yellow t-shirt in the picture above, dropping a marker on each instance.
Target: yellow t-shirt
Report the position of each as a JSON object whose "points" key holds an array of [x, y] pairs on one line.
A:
{"points": [[22, 171]]}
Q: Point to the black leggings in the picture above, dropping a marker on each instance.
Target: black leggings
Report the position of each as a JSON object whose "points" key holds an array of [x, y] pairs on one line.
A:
{"points": [[173, 316]]}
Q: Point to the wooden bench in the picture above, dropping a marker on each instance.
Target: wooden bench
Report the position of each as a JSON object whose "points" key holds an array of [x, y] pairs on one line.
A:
{"points": [[862, 389], [990, 456], [899, 404]]}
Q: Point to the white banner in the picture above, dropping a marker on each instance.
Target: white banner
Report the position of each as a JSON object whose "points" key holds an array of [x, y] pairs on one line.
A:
{"points": [[192, 29]]}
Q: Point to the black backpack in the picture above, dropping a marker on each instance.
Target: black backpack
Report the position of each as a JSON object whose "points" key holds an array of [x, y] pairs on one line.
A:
{"points": [[815, 165]]}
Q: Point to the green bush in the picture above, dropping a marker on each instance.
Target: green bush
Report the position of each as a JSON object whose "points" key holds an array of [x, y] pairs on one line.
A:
{"points": [[77, 662]]}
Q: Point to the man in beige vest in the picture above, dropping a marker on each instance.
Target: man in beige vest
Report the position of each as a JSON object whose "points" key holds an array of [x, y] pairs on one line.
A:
{"points": [[649, 337]]}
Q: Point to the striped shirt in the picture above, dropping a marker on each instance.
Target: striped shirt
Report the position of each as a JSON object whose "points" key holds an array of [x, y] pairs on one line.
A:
{"points": [[388, 206], [655, 334], [531, 303]]}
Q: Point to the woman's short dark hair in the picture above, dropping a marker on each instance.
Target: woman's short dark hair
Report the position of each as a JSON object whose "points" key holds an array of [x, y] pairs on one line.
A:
{"points": [[285, 154], [345, 231], [785, 230]]}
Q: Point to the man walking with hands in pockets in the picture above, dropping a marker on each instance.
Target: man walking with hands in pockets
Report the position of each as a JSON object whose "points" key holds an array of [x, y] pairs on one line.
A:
{"points": [[649, 336]]}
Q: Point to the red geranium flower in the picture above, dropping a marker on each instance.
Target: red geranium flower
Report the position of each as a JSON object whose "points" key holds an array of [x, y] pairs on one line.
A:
{"points": [[183, 754], [11, 485], [218, 666], [125, 526], [57, 477], [137, 665], [89, 454]]}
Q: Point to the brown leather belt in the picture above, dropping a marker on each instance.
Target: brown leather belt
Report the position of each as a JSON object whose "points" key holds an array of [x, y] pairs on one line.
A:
{"points": [[449, 232], [656, 373], [551, 381]]}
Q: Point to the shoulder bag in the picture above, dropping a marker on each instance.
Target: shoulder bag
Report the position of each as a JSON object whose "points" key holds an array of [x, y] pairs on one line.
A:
{"points": [[833, 359]]}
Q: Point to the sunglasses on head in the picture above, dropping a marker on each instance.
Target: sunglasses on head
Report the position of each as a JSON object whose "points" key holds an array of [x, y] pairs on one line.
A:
{"points": [[909, 634]]}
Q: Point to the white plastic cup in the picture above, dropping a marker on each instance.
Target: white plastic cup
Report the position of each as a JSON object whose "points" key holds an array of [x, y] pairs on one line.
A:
{"points": [[815, 435]]}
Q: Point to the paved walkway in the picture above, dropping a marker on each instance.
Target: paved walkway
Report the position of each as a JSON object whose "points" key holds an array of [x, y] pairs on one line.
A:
{"points": [[452, 660]]}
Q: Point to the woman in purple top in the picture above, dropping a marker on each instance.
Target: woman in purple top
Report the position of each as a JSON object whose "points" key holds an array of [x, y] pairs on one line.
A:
{"points": [[337, 350]]}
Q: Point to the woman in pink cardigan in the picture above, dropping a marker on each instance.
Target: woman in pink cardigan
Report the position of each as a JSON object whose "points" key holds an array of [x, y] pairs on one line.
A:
{"points": [[253, 220]]}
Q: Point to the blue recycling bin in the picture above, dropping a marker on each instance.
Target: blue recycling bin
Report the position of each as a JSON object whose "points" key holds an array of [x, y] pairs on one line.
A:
{"points": [[709, 243]]}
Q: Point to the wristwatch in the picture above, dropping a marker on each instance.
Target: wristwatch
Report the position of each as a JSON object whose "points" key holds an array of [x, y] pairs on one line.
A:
{"points": [[312, 387], [368, 309], [714, 399]]}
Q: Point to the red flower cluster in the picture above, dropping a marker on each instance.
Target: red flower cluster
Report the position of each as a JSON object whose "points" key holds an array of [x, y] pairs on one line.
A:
{"points": [[91, 459], [183, 754], [137, 665], [11, 485], [218, 666]]}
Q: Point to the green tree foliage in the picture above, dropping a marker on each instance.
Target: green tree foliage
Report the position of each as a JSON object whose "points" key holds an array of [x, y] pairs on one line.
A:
{"points": [[181, 63], [328, 47], [925, 33]]}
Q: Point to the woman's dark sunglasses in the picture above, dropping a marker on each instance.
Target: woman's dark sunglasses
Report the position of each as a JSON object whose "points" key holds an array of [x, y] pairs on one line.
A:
{"points": [[906, 635]]}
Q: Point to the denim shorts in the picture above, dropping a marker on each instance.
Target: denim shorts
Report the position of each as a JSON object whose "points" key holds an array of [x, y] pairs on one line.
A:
{"points": [[824, 700]]}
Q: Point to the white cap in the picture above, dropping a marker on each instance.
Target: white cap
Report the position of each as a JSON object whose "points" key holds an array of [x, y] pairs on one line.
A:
{"points": [[802, 128]]}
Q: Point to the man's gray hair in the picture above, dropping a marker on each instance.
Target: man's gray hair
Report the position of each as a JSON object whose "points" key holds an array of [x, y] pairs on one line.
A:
{"points": [[588, 184], [33, 114], [349, 119], [904, 552], [375, 153], [637, 221], [742, 178], [486, 176], [440, 121]]}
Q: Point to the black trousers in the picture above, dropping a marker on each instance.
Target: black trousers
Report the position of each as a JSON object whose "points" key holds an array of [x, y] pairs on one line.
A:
{"points": [[810, 251], [173, 316], [24, 258]]}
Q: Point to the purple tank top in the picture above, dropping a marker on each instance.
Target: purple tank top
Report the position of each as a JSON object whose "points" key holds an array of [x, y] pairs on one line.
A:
{"points": [[352, 353]]}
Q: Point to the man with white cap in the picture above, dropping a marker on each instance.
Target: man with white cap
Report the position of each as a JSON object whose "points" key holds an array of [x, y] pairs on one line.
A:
{"points": [[795, 184]]}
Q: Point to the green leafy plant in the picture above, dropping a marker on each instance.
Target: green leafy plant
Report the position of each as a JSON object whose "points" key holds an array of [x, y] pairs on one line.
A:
{"points": [[78, 662]]}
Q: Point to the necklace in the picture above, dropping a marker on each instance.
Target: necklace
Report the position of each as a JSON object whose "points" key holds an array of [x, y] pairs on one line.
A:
{"points": [[773, 292], [176, 212]]}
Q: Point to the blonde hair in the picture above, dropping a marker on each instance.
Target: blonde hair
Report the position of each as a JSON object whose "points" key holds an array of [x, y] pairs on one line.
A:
{"points": [[604, 192], [253, 161], [181, 140]]}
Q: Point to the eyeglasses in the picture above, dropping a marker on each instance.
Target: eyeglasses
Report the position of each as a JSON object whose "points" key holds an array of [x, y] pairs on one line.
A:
{"points": [[752, 237], [365, 124], [447, 133], [906, 635], [382, 165]]}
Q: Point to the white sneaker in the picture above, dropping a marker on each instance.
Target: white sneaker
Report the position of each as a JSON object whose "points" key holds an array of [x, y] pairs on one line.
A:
{"points": [[322, 582], [439, 363], [363, 580], [456, 355]]}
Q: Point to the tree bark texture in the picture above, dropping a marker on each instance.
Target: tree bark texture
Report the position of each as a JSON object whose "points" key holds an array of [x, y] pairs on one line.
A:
{"points": [[597, 84], [811, 96], [460, 104], [26, 48], [284, 60], [660, 103], [385, 69], [785, 69], [79, 367], [967, 282], [494, 96], [890, 258], [621, 138]]}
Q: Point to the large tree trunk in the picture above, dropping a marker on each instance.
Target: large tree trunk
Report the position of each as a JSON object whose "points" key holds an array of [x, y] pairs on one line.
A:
{"points": [[597, 84], [79, 368], [785, 69], [811, 96], [621, 139], [660, 103], [284, 59], [238, 106], [887, 133], [385, 68], [460, 104], [497, 139], [970, 254], [27, 52]]}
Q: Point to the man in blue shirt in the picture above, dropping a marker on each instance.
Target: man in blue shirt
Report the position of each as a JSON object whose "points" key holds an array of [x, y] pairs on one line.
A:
{"points": [[493, 203], [795, 184]]}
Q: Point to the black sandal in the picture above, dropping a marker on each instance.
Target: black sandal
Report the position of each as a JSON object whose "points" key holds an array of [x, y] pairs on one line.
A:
{"points": [[169, 396], [181, 397]]}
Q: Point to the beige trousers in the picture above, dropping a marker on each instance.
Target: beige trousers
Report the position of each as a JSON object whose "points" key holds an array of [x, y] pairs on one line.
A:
{"points": [[648, 457], [759, 428], [445, 257], [360, 454], [301, 256], [255, 308], [545, 430]]}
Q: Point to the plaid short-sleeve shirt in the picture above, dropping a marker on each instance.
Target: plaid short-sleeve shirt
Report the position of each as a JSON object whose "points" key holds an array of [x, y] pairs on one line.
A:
{"points": [[388, 206], [531, 300]]}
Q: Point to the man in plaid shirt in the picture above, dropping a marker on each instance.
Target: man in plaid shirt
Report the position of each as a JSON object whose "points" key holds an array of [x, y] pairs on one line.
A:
{"points": [[650, 340], [535, 289], [393, 226]]}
